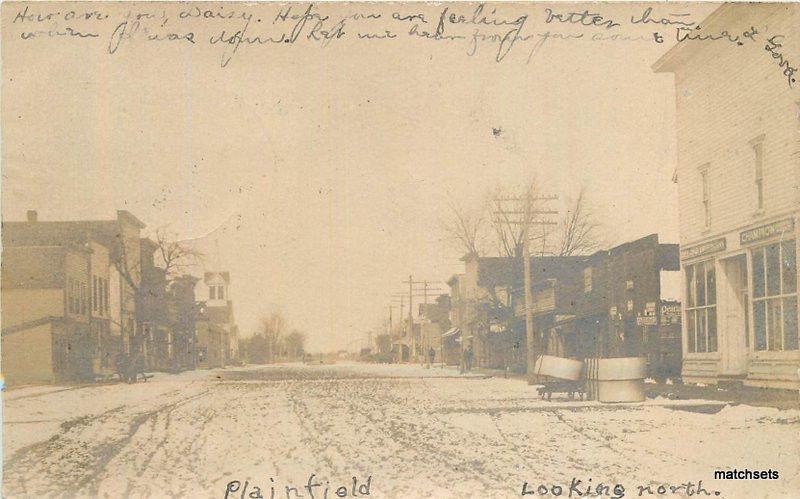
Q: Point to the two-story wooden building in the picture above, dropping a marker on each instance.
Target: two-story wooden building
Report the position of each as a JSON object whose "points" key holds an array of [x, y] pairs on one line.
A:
{"points": [[60, 302], [738, 175]]}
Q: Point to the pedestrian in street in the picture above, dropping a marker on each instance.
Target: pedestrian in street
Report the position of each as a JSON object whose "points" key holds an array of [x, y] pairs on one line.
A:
{"points": [[468, 358], [431, 356]]}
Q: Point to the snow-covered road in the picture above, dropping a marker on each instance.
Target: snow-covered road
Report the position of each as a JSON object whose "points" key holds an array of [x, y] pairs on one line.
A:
{"points": [[416, 432]]}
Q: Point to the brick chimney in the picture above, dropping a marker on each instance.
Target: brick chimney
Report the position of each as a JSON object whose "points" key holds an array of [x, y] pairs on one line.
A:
{"points": [[33, 216]]}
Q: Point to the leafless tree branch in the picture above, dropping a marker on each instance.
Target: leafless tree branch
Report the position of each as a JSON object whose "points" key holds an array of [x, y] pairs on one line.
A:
{"points": [[579, 233], [465, 228], [176, 257]]}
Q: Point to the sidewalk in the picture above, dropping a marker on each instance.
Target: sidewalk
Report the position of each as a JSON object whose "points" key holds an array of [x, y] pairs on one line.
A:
{"points": [[758, 397]]}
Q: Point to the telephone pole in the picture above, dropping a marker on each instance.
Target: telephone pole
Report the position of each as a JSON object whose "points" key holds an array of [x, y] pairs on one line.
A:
{"points": [[527, 212], [412, 293]]}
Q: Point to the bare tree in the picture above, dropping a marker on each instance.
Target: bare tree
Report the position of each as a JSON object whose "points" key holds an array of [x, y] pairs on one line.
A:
{"points": [[126, 257], [273, 327], [465, 227], [175, 256], [127, 261], [578, 231], [295, 344]]}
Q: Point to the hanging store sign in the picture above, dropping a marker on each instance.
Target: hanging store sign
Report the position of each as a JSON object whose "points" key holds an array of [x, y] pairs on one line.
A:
{"points": [[670, 312], [766, 231], [646, 320], [703, 249]]}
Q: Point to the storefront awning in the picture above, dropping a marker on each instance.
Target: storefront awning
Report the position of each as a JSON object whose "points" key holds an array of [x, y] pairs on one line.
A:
{"points": [[452, 332]]}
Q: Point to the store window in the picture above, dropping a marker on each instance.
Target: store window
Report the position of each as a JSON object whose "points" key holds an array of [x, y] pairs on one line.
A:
{"points": [[775, 296], [701, 307]]}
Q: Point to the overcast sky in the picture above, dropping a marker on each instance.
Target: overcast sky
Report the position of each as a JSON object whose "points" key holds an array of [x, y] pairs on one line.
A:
{"points": [[320, 174]]}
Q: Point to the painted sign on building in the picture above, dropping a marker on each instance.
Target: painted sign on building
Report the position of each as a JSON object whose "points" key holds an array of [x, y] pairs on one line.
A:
{"points": [[703, 249], [767, 231]]}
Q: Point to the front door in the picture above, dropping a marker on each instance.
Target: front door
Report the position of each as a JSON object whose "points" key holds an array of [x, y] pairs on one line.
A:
{"points": [[734, 331]]}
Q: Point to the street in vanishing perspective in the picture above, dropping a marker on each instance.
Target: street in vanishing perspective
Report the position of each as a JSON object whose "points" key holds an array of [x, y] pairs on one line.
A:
{"points": [[406, 431], [400, 250]]}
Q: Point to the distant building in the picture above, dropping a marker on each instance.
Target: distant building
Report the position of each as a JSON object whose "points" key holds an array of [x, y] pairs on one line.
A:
{"points": [[489, 306], [451, 339], [182, 318], [166, 310], [151, 310], [434, 321], [738, 133], [611, 304], [217, 332]]}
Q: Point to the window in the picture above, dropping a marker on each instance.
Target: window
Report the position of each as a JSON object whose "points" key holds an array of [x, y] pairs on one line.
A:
{"points": [[101, 305], [212, 292], [775, 296], [95, 294], [70, 295], [701, 307], [704, 185], [758, 152], [629, 305], [105, 295], [629, 284], [74, 296], [83, 298], [220, 292], [587, 280]]}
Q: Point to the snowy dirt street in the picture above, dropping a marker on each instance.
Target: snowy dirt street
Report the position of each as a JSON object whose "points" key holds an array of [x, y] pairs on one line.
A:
{"points": [[416, 432]]}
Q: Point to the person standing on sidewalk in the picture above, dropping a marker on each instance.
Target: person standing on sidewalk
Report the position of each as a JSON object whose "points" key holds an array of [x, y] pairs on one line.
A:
{"points": [[431, 356], [468, 358]]}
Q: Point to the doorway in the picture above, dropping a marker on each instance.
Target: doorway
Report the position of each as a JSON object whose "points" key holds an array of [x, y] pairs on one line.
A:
{"points": [[735, 324]]}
